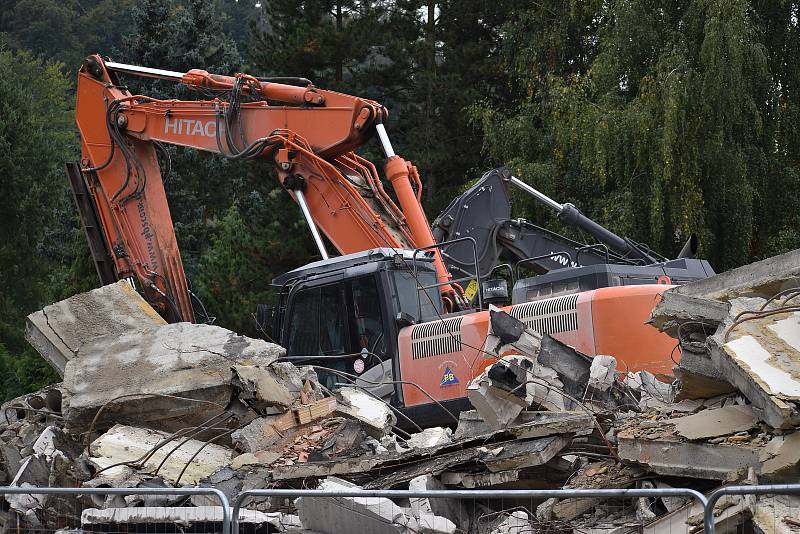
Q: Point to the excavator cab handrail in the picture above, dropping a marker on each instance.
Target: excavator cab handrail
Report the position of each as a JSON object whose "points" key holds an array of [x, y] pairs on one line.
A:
{"points": [[435, 246], [546, 256], [504, 266], [595, 247]]}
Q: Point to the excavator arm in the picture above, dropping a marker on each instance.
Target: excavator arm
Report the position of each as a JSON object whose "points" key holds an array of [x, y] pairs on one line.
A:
{"points": [[308, 133]]}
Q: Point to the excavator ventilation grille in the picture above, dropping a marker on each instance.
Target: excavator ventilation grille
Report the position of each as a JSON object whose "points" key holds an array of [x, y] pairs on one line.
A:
{"points": [[549, 316], [436, 337]]}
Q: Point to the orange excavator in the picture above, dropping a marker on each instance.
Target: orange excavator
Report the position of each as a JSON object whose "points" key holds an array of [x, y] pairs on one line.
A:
{"points": [[386, 311]]}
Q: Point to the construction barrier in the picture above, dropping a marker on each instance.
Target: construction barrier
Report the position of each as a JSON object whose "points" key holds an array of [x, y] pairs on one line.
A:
{"points": [[480, 511], [731, 509]]}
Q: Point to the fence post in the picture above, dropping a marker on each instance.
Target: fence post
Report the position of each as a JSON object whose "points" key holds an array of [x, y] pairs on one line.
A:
{"points": [[777, 489]]}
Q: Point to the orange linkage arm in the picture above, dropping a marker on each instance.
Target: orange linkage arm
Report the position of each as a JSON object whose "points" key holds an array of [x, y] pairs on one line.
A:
{"points": [[310, 141]]}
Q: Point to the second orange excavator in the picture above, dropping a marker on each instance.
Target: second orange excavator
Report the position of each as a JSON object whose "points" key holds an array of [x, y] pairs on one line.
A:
{"points": [[386, 312]]}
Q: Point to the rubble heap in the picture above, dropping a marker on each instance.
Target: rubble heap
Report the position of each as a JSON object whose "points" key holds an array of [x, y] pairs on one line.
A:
{"points": [[146, 404]]}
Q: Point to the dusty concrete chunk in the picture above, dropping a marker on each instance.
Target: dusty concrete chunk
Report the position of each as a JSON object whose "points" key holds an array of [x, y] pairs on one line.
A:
{"points": [[712, 423], [129, 374], [376, 415], [602, 372], [258, 388], [430, 437], [761, 357], [34, 472], [186, 517], [125, 443], [354, 515], [762, 279], [515, 523], [53, 441], [61, 330], [497, 407], [452, 509], [781, 457], [671, 457]]}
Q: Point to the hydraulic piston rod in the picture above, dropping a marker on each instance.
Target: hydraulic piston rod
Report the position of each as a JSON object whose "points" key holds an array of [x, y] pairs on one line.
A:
{"points": [[146, 72], [569, 214], [301, 200]]}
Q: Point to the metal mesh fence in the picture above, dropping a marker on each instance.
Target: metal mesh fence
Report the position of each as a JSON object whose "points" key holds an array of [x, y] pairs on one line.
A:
{"points": [[733, 509], [603, 511], [115, 510]]}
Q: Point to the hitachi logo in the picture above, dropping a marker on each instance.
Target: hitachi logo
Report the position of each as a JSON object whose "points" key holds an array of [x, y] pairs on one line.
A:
{"points": [[190, 127]]}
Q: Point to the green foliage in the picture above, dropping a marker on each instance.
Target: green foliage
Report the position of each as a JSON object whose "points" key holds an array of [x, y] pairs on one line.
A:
{"points": [[36, 138], [657, 118], [247, 250]]}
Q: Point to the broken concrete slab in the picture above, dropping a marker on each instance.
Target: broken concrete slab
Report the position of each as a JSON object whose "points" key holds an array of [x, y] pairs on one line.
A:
{"points": [[376, 415], [696, 384], [776, 514], [672, 457], [257, 458], [497, 407], [452, 509], [518, 454], [191, 460], [140, 378], [728, 516], [760, 279], [516, 522], [606, 474], [59, 331], [182, 517], [781, 458], [481, 480], [762, 359], [529, 424], [676, 308], [356, 515], [713, 423]]}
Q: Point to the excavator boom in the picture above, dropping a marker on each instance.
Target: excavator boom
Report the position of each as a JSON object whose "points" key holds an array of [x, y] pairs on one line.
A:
{"points": [[308, 133]]}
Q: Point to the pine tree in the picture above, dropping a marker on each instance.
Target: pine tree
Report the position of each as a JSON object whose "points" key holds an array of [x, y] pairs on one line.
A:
{"points": [[36, 139]]}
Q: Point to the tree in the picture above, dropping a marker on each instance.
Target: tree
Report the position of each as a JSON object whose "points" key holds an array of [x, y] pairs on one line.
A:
{"points": [[36, 138], [657, 118]]}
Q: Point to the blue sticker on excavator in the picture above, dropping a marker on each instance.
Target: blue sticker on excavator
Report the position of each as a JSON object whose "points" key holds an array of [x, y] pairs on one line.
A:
{"points": [[448, 379]]}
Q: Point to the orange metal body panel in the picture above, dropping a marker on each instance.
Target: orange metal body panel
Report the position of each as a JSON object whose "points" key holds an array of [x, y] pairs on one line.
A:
{"points": [[618, 316], [603, 321]]}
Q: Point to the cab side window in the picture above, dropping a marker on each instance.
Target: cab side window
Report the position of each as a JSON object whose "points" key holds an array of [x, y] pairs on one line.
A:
{"points": [[317, 323], [368, 321]]}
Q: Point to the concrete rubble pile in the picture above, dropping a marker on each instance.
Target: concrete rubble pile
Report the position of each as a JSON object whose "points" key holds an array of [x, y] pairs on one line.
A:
{"points": [[147, 404]]}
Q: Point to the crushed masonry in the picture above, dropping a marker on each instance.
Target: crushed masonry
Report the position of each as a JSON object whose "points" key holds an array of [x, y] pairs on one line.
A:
{"points": [[154, 405]]}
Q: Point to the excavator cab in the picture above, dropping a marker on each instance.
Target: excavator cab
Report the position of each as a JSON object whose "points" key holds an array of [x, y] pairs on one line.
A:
{"points": [[343, 315]]}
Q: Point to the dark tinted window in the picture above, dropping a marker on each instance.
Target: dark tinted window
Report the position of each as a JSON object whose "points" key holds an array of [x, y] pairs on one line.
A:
{"points": [[317, 325]]}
